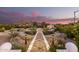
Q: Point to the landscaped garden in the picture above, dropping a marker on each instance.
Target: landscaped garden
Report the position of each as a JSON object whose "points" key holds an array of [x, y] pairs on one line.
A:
{"points": [[71, 30]]}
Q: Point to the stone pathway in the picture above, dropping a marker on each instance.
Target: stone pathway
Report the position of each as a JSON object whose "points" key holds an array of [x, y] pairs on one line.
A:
{"points": [[39, 43]]}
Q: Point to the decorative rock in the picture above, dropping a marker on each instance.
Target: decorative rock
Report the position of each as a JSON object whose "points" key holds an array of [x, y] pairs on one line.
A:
{"points": [[6, 46], [22, 33], [71, 47]]}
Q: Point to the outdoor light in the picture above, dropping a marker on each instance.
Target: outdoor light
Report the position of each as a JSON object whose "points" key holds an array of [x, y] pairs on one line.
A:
{"points": [[75, 15]]}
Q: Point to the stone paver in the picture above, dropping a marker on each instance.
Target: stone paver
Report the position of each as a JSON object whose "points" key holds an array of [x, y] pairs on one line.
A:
{"points": [[39, 45]]}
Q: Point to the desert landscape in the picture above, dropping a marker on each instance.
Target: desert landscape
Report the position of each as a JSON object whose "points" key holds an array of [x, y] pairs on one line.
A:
{"points": [[22, 30]]}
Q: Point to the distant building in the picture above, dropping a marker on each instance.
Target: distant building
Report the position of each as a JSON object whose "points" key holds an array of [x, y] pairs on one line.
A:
{"points": [[50, 26]]}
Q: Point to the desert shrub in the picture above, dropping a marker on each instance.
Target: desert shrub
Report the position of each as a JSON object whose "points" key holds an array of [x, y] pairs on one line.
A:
{"points": [[52, 47], [31, 32], [71, 30], [18, 46], [2, 29], [47, 32]]}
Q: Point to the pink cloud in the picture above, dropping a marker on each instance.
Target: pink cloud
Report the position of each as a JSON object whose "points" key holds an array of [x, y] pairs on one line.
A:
{"points": [[34, 14], [60, 22]]}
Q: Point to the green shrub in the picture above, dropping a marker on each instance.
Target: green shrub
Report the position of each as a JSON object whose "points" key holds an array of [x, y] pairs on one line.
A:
{"points": [[71, 30]]}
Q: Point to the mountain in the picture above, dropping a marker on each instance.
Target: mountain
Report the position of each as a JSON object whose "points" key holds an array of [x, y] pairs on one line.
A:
{"points": [[63, 21], [11, 18]]}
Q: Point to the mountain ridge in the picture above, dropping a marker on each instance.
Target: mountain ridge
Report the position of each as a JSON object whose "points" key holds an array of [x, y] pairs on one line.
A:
{"points": [[11, 18]]}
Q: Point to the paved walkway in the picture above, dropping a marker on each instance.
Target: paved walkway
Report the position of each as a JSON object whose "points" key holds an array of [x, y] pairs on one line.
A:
{"points": [[39, 43]]}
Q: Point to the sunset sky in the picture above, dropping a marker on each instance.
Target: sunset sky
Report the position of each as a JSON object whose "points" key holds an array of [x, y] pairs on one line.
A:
{"points": [[53, 12]]}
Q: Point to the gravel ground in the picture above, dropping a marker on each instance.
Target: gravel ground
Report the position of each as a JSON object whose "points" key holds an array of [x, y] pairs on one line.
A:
{"points": [[39, 45]]}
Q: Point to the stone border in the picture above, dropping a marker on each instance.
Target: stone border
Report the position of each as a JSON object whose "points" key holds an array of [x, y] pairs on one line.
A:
{"points": [[45, 40], [31, 44]]}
